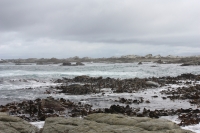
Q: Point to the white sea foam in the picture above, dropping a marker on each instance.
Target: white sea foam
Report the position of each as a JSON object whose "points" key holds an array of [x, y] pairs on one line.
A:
{"points": [[38, 124], [127, 70], [195, 128]]}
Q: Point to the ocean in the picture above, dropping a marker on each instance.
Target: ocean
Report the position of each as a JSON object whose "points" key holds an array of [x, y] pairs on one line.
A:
{"points": [[28, 82]]}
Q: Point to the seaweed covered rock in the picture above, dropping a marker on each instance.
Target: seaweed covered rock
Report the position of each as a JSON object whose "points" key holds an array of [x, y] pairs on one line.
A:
{"points": [[77, 89]]}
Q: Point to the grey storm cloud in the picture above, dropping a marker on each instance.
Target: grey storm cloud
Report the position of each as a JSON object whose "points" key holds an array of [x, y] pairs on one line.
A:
{"points": [[99, 22]]}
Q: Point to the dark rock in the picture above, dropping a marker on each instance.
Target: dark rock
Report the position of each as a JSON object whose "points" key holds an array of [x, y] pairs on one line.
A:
{"points": [[66, 64], [187, 64], [79, 64], [159, 61], [51, 104], [77, 89], [83, 78]]}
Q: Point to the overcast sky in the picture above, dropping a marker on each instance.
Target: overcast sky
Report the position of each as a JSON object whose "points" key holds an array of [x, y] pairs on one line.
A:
{"points": [[98, 28]]}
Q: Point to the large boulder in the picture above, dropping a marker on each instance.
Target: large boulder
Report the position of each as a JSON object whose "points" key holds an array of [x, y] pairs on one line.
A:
{"points": [[110, 123], [10, 124]]}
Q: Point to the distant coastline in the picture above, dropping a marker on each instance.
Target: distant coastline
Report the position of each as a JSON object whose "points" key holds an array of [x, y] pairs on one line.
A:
{"points": [[185, 60]]}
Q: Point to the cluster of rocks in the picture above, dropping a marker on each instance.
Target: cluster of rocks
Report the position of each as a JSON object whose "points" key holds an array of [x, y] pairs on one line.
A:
{"points": [[40, 109], [70, 64], [191, 93], [131, 101], [183, 62], [87, 85], [188, 116], [94, 123], [76, 89]]}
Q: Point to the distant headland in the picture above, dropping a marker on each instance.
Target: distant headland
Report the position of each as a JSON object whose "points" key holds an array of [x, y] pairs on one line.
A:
{"points": [[184, 60]]}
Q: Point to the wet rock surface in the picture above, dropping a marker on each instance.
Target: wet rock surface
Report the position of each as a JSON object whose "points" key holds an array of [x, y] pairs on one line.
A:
{"points": [[10, 124], [109, 123]]}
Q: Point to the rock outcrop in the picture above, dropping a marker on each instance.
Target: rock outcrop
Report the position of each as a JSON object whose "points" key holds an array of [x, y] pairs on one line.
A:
{"points": [[10, 124], [109, 123]]}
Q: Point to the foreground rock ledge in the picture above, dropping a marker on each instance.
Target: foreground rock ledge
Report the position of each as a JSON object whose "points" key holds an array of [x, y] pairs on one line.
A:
{"points": [[10, 124], [110, 123]]}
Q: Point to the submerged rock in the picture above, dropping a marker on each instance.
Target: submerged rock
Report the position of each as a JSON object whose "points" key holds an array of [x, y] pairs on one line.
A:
{"points": [[109, 123], [10, 124]]}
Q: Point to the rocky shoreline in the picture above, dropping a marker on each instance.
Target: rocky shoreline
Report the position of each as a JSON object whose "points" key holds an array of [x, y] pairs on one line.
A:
{"points": [[94, 123], [184, 60], [41, 109]]}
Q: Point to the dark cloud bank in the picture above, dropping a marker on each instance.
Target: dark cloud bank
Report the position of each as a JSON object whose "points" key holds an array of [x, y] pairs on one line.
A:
{"points": [[98, 28]]}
